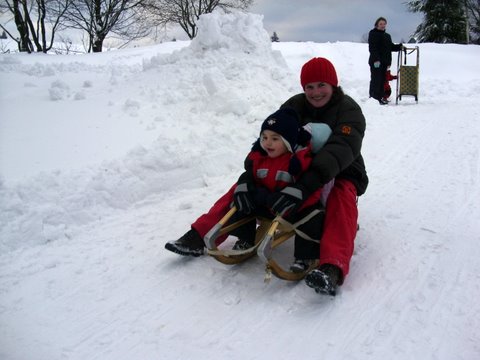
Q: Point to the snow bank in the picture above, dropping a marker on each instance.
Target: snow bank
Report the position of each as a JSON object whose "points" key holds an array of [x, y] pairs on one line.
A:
{"points": [[229, 49], [228, 75]]}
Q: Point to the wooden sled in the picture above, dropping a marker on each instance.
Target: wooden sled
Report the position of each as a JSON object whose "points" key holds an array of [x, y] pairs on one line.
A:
{"points": [[270, 234], [407, 82]]}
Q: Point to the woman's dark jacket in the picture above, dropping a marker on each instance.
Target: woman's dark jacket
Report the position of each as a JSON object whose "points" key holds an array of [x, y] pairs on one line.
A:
{"points": [[340, 157], [380, 46]]}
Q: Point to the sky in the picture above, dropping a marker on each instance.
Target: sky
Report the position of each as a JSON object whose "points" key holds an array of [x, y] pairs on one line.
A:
{"points": [[106, 157], [309, 20], [334, 20]]}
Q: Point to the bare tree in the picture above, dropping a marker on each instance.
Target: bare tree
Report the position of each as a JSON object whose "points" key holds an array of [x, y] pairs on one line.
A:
{"points": [[15, 7], [36, 21], [187, 12], [99, 18]]}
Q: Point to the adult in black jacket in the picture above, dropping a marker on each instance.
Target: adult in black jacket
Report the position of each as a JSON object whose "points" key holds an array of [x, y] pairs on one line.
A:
{"points": [[380, 46], [323, 104], [326, 110]]}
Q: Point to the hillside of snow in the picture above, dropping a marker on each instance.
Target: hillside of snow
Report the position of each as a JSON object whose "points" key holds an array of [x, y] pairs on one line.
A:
{"points": [[106, 157]]}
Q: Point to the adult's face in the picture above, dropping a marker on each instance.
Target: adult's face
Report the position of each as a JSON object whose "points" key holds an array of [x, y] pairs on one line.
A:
{"points": [[381, 25], [318, 93]]}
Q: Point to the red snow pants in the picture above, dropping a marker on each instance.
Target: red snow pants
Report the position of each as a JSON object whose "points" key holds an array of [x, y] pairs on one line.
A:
{"points": [[340, 226], [339, 229], [206, 221]]}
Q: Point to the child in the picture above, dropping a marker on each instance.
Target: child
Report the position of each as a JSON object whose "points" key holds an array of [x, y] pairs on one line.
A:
{"points": [[386, 86], [277, 158]]}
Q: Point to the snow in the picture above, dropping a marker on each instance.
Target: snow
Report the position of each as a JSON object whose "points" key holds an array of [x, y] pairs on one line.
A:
{"points": [[106, 157]]}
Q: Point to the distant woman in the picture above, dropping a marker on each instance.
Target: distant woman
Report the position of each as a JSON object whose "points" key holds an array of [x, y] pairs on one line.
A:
{"points": [[380, 46]]}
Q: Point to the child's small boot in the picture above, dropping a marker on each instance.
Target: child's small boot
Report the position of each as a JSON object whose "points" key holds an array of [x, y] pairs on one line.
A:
{"points": [[300, 265], [190, 244], [243, 244]]}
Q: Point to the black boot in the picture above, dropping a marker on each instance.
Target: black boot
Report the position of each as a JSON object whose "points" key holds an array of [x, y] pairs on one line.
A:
{"points": [[325, 279], [301, 265], [190, 244], [383, 101], [243, 244]]}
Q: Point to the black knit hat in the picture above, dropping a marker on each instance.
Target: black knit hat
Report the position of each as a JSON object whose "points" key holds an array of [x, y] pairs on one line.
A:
{"points": [[285, 123]]}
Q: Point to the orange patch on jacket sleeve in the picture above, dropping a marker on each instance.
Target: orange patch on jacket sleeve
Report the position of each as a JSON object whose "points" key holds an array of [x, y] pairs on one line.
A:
{"points": [[346, 130]]}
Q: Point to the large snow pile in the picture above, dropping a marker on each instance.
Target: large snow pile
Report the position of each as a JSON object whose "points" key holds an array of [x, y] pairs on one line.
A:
{"points": [[198, 92], [105, 157]]}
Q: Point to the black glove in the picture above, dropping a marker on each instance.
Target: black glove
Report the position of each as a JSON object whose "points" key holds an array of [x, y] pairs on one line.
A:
{"points": [[287, 201], [261, 197], [243, 199]]}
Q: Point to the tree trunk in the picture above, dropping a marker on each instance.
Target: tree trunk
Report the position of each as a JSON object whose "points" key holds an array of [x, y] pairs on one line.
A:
{"points": [[24, 41], [97, 44]]}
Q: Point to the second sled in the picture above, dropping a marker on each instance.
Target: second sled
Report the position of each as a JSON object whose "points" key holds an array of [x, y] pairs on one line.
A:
{"points": [[408, 73]]}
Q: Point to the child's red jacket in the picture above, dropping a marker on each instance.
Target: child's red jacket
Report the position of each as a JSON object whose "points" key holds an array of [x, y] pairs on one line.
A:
{"points": [[260, 170], [273, 173]]}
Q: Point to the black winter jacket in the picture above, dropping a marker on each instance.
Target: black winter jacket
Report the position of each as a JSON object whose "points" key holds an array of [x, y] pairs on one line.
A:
{"points": [[340, 157], [380, 46]]}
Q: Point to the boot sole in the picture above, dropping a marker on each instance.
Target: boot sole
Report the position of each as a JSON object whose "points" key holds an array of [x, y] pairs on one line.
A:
{"points": [[185, 252]]}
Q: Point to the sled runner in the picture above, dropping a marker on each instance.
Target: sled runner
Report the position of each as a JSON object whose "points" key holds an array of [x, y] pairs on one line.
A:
{"points": [[269, 235], [407, 82]]}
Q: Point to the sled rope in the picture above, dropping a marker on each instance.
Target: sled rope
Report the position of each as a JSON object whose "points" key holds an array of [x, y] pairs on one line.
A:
{"points": [[268, 274], [294, 227]]}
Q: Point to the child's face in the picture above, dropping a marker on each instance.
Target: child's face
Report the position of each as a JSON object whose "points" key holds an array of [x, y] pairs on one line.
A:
{"points": [[318, 93], [272, 143]]}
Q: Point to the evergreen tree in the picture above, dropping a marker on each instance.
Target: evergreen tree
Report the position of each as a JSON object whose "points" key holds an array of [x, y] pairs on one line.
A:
{"points": [[444, 21], [473, 9]]}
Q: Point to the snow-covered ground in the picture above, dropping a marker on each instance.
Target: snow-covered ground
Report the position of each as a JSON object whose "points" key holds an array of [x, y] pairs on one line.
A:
{"points": [[106, 157]]}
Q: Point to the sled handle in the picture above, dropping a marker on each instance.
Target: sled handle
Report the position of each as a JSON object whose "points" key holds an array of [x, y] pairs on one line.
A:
{"points": [[213, 233], [265, 249], [273, 228]]}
